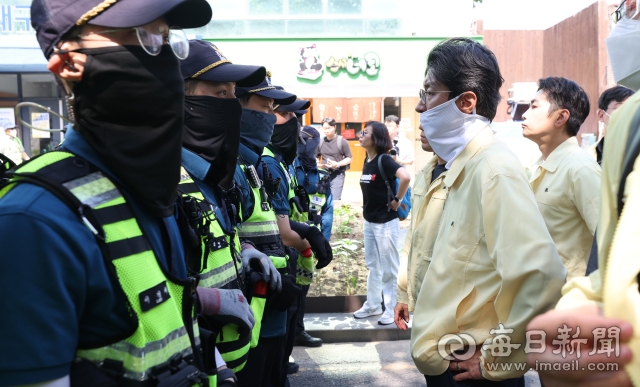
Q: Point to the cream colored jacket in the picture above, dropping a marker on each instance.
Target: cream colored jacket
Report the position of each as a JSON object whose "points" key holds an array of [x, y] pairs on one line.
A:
{"points": [[493, 261], [567, 189], [615, 286], [427, 204]]}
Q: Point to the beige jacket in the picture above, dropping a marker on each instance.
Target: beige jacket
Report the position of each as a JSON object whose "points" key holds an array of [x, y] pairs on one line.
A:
{"points": [[427, 204], [615, 286], [567, 189], [493, 261]]}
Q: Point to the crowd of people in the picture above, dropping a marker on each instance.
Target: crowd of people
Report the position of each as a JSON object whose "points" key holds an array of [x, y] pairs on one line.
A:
{"points": [[171, 239]]}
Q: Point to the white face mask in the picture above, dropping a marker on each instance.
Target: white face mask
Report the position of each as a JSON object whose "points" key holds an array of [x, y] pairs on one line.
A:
{"points": [[449, 130], [13, 133], [623, 46]]}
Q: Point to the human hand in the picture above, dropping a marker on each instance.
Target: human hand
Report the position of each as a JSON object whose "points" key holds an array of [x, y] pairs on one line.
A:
{"points": [[227, 305], [470, 369], [586, 318], [401, 315], [394, 205], [261, 263]]}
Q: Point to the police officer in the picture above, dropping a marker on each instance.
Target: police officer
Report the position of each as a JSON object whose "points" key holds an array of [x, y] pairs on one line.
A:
{"points": [[105, 298], [12, 146], [291, 203], [316, 183], [211, 139], [260, 229]]}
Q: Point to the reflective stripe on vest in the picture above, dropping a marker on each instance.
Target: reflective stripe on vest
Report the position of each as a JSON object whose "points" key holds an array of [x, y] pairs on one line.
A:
{"points": [[220, 270], [161, 332], [261, 228]]}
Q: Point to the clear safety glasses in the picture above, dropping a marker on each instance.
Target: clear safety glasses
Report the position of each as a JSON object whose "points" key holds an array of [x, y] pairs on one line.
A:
{"points": [[152, 39], [627, 10]]}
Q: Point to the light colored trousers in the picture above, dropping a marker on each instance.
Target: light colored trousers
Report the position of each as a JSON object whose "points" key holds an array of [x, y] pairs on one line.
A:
{"points": [[383, 259]]}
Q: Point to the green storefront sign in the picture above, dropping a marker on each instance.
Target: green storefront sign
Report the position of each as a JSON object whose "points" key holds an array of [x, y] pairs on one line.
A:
{"points": [[335, 61]]}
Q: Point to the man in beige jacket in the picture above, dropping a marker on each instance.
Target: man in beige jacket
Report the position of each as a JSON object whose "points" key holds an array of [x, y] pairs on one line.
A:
{"points": [[427, 203], [494, 265], [566, 179]]}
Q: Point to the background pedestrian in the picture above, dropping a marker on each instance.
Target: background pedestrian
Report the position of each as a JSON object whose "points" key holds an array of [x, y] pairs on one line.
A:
{"points": [[336, 156], [381, 224]]}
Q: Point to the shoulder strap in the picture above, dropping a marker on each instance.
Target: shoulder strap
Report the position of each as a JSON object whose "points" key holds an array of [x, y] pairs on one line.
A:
{"points": [[390, 195], [340, 142], [631, 152]]}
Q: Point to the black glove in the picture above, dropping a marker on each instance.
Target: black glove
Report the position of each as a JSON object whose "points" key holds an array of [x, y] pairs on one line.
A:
{"points": [[319, 244], [282, 301]]}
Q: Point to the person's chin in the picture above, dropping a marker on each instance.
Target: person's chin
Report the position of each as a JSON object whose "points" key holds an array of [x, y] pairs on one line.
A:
{"points": [[427, 148]]}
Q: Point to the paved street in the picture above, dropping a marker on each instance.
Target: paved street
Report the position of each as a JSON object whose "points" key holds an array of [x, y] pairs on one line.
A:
{"points": [[361, 365]]}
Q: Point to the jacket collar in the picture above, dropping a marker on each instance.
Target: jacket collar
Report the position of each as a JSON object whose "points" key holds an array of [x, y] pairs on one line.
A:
{"points": [[248, 155], [469, 151], [194, 164], [558, 154]]}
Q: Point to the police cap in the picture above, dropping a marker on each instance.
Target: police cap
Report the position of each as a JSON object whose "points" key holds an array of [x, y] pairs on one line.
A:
{"points": [[52, 19]]}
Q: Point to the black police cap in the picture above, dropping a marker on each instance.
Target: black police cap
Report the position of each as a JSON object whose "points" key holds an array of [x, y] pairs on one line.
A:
{"points": [[206, 62], [52, 19], [265, 89]]}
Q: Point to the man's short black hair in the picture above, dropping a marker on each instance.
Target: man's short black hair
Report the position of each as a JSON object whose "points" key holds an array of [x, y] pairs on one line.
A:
{"points": [[465, 65], [329, 121], [392, 118], [380, 136], [563, 93], [616, 93]]}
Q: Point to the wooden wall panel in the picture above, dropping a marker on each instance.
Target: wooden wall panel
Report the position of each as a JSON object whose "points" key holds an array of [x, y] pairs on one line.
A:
{"points": [[575, 49], [520, 57]]}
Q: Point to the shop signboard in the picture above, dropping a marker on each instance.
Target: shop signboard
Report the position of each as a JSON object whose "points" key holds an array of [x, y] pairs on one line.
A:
{"points": [[349, 134], [40, 121], [346, 109]]}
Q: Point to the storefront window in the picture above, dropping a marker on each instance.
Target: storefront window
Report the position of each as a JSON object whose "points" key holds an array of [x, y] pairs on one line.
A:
{"points": [[265, 7], [226, 28], [344, 6], [38, 85], [341, 27], [381, 7], [305, 27], [305, 7], [8, 86], [382, 27], [265, 27], [392, 106]]}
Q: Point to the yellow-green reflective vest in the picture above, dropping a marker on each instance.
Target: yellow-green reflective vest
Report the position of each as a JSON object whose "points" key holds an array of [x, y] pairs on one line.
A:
{"points": [[155, 300], [219, 272], [262, 230], [304, 273], [292, 182]]}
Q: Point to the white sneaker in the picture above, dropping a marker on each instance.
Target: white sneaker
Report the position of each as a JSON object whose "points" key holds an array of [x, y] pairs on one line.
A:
{"points": [[386, 319], [364, 312]]}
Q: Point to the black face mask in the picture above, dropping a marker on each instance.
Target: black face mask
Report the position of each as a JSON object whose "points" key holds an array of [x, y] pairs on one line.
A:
{"points": [[285, 137], [129, 108], [212, 131]]}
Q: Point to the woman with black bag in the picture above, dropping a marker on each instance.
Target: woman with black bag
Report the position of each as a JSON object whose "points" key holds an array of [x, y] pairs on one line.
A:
{"points": [[381, 224]]}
